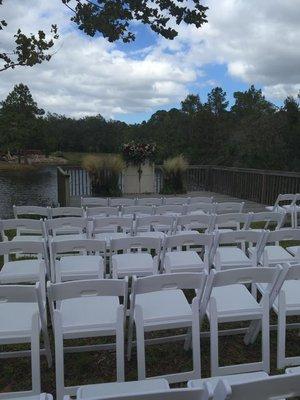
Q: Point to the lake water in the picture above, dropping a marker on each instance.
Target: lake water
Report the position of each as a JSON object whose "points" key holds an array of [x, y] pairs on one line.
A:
{"points": [[35, 187]]}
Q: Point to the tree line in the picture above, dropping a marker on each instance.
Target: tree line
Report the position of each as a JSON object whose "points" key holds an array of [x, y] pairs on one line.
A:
{"points": [[253, 133]]}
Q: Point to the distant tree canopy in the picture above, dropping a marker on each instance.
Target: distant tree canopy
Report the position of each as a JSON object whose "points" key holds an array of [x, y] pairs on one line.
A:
{"points": [[112, 19], [253, 133]]}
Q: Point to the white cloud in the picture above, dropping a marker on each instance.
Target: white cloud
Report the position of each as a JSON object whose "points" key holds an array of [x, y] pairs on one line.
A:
{"points": [[257, 40]]}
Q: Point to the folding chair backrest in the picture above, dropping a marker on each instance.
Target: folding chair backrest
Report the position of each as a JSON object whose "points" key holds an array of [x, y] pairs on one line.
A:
{"points": [[83, 288], [123, 224], [22, 226], [232, 219], [149, 201], [205, 393], [137, 210], [180, 240], [101, 212], [268, 217], [207, 208], [239, 236], [120, 201], [73, 246], [62, 225], [18, 293], [288, 199], [270, 388], [200, 199], [155, 222], [229, 207], [196, 221], [175, 200], [136, 242], [31, 211], [172, 208], [172, 281], [26, 247], [66, 212], [283, 235], [94, 202]]}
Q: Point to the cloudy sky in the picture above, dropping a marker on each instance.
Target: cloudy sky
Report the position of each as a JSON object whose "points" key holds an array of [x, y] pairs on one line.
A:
{"points": [[245, 42]]}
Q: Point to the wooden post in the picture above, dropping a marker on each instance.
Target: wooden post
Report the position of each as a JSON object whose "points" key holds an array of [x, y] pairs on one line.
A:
{"points": [[63, 187]]}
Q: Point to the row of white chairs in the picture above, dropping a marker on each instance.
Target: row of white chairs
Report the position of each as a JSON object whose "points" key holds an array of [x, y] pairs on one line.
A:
{"points": [[177, 209], [98, 308], [143, 201]]}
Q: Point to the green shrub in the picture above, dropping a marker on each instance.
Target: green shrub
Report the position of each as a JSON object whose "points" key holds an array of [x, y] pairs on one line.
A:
{"points": [[104, 171], [174, 179]]}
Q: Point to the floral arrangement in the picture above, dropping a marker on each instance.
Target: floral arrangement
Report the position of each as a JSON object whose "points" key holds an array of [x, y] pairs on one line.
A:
{"points": [[138, 153]]}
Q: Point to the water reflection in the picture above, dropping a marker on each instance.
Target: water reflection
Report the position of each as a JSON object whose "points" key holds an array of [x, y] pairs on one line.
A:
{"points": [[34, 187]]}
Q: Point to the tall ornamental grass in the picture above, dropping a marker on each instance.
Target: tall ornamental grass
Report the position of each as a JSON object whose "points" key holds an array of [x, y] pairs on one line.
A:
{"points": [[174, 175]]}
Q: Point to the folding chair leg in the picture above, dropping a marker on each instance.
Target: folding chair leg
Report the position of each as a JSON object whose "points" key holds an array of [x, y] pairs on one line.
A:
{"points": [[214, 340], [129, 339], [59, 358], [140, 344], [281, 333], [265, 332], [120, 345], [188, 340], [35, 355], [196, 342]]}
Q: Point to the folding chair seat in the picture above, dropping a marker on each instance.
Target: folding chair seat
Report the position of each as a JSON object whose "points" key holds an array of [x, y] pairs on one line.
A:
{"points": [[230, 221], [22, 271], [173, 210], [134, 211], [273, 254], [42, 396], [158, 303], [175, 201], [228, 251], [268, 217], [84, 309], [200, 199], [111, 228], [231, 301], [88, 263], [229, 207], [135, 260], [94, 202], [60, 212], [150, 389], [156, 226], [67, 228], [281, 206], [149, 201], [22, 319], [101, 212], [283, 386], [200, 208], [175, 259], [31, 211], [187, 224]]}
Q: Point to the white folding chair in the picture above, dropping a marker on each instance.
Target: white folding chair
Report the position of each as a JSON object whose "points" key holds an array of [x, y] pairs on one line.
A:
{"points": [[84, 309], [149, 201], [231, 221], [136, 258], [273, 253], [229, 301], [158, 303], [26, 229], [67, 228], [200, 208], [200, 199], [134, 211], [229, 207], [100, 212], [269, 218], [176, 259], [121, 201], [88, 262], [296, 209], [150, 389], [23, 270], [175, 201], [60, 212], [22, 318], [111, 228], [186, 224], [93, 202], [172, 209], [270, 388], [155, 226], [32, 211], [285, 203], [229, 249]]}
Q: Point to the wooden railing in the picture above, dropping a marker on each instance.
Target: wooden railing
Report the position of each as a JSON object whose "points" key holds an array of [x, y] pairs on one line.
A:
{"points": [[261, 186]]}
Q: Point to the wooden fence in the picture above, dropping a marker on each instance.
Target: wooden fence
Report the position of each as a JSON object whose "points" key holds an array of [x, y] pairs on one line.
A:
{"points": [[261, 186]]}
